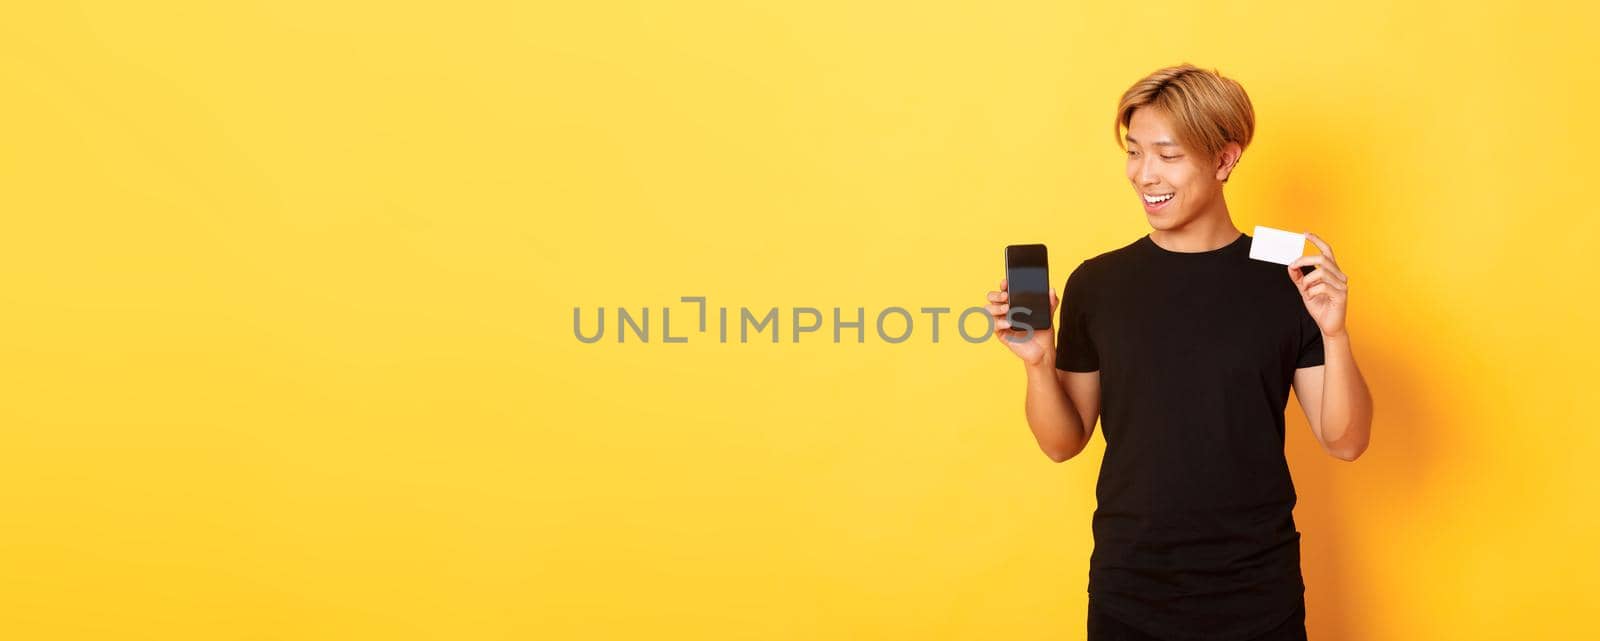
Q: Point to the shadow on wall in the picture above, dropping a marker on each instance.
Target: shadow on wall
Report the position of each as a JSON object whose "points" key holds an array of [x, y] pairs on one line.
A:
{"points": [[1313, 189]]}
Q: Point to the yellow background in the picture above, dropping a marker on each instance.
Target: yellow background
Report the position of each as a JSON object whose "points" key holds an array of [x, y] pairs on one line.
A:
{"points": [[288, 287]]}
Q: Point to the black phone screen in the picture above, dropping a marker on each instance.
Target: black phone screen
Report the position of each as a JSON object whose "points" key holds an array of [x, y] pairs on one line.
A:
{"points": [[1028, 281]]}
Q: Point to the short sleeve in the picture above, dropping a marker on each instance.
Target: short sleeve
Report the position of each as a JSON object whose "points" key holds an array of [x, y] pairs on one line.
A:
{"points": [[1310, 338], [1075, 352]]}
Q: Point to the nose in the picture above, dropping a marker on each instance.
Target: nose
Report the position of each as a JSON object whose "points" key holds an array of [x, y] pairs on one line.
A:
{"points": [[1146, 175]]}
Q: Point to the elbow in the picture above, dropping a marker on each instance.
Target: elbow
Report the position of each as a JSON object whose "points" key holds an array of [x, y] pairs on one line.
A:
{"points": [[1352, 440], [1347, 451], [1061, 453], [1346, 454]]}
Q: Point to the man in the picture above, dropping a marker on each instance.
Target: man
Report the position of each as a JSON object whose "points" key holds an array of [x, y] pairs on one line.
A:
{"points": [[1186, 349]]}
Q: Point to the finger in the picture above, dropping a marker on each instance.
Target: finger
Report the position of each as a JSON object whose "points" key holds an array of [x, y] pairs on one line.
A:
{"points": [[1000, 334], [1324, 288], [1322, 277], [1327, 253], [1054, 301], [1322, 262], [997, 311], [1321, 245], [999, 297], [1003, 284], [1299, 280]]}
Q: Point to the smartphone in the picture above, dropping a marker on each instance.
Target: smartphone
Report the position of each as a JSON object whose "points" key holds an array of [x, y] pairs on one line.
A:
{"points": [[1028, 281]]}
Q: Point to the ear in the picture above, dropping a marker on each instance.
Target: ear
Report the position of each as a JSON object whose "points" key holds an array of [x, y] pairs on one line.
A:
{"points": [[1227, 159]]}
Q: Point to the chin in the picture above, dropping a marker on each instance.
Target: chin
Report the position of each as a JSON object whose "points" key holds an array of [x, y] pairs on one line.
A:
{"points": [[1162, 223]]}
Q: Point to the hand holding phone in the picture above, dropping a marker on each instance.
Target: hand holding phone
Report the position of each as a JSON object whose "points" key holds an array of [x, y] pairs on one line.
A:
{"points": [[1032, 344]]}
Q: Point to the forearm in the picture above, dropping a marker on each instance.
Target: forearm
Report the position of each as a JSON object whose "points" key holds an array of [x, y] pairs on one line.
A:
{"points": [[1346, 403], [1052, 417]]}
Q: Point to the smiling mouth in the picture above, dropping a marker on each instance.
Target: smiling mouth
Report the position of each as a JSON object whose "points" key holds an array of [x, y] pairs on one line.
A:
{"points": [[1156, 200]]}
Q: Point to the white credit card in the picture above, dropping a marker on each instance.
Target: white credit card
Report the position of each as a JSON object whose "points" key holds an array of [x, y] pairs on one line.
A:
{"points": [[1276, 245]]}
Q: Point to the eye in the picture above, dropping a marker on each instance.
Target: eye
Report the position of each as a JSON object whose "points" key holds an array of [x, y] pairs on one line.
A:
{"points": [[1172, 157], [1132, 153]]}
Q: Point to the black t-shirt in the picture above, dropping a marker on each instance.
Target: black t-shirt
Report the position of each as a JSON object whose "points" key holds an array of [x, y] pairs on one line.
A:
{"points": [[1194, 534]]}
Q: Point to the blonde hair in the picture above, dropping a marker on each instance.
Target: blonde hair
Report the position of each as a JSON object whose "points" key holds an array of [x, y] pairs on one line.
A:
{"points": [[1208, 110]]}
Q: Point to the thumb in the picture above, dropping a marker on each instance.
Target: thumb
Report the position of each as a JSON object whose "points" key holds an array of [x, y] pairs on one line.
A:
{"points": [[1054, 301]]}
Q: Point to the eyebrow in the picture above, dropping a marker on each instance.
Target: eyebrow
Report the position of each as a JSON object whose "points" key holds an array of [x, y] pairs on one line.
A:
{"points": [[1158, 143]]}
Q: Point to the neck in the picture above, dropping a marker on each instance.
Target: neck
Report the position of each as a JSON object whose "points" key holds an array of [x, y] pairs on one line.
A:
{"points": [[1212, 229]]}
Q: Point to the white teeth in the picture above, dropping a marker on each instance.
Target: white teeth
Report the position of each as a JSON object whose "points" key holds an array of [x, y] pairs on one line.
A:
{"points": [[1157, 199]]}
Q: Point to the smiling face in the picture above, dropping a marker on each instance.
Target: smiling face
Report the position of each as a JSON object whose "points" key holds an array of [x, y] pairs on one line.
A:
{"points": [[1175, 184]]}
